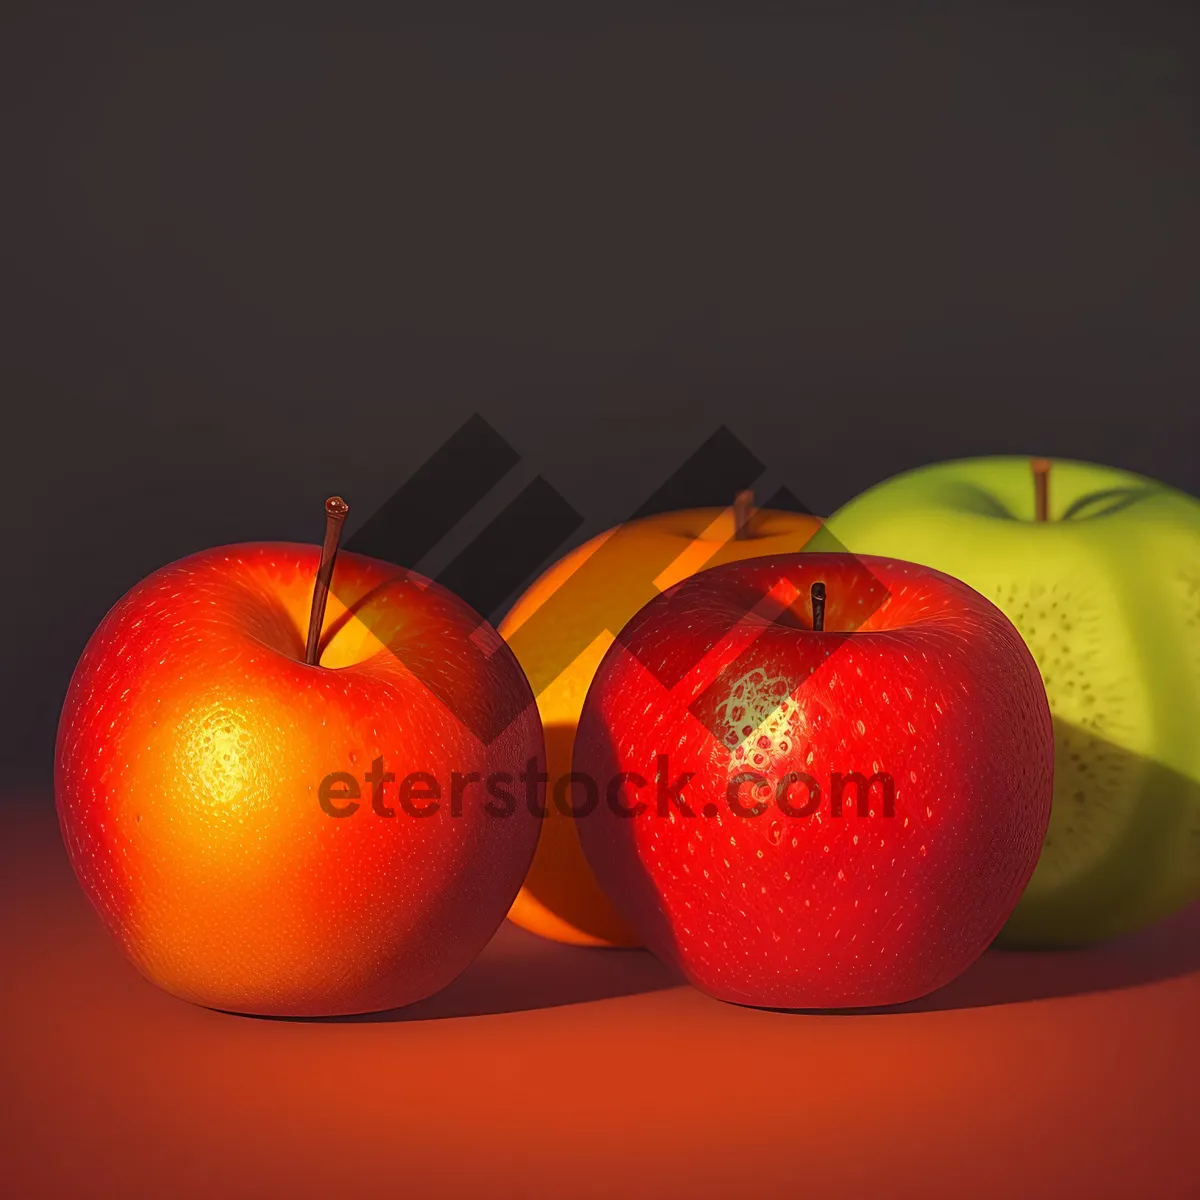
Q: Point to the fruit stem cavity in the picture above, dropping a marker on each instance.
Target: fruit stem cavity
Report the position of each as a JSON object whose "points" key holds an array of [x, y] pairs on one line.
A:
{"points": [[817, 595], [335, 513], [743, 514], [1041, 487]]}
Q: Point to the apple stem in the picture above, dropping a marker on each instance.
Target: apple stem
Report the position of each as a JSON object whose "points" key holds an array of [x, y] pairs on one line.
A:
{"points": [[817, 593], [743, 513], [335, 513], [1041, 487]]}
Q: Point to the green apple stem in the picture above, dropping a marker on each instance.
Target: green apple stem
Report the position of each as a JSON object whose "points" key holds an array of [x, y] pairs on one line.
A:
{"points": [[817, 594], [1041, 487], [335, 514], [743, 514]]}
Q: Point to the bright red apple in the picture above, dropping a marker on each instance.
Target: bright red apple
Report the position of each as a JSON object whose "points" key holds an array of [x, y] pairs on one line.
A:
{"points": [[304, 827], [807, 800]]}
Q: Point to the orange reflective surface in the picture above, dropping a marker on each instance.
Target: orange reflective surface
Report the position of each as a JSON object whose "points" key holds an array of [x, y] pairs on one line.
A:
{"points": [[553, 1070]]}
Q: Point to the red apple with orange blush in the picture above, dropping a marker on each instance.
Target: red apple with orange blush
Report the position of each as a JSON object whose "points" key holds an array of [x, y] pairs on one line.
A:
{"points": [[208, 771]]}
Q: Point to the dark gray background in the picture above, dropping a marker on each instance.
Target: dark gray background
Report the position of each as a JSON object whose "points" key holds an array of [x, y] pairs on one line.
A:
{"points": [[246, 265]]}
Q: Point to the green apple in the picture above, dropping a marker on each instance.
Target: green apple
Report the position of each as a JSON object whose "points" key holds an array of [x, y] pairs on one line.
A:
{"points": [[1099, 569]]}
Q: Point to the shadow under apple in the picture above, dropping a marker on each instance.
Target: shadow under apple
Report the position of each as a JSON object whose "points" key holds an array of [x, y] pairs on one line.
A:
{"points": [[1147, 870], [1166, 950], [1127, 881], [518, 971]]}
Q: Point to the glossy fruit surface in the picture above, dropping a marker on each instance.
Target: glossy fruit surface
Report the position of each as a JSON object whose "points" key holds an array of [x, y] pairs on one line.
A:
{"points": [[865, 802], [192, 750]]}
